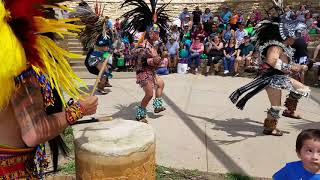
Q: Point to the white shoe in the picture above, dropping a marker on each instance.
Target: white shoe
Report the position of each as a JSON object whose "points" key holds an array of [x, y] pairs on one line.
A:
{"points": [[225, 72]]}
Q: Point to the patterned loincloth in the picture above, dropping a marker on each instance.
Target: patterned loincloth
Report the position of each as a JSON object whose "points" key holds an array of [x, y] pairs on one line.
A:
{"points": [[16, 163]]}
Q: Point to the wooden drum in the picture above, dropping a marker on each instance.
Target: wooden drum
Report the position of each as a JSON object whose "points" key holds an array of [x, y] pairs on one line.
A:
{"points": [[115, 150]]}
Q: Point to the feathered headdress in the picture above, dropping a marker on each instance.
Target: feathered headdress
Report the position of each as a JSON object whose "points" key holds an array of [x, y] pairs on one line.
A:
{"points": [[94, 22], [142, 18], [280, 27], [24, 45]]}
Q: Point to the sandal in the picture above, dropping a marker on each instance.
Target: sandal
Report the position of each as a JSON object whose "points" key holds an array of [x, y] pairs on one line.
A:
{"points": [[288, 114], [157, 110], [273, 132], [143, 120]]}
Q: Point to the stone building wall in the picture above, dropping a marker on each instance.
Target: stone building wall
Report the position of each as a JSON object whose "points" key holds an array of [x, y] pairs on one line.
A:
{"points": [[112, 7]]}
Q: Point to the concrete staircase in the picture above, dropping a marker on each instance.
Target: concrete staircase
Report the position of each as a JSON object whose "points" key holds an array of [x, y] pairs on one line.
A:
{"points": [[73, 45]]}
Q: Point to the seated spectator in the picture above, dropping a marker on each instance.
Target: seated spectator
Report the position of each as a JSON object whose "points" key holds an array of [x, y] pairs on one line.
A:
{"points": [[227, 34], [214, 51], [184, 54], [161, 47], [229, 53], [173, 49], [163, 66], [214, 29], [199, 32], [196, 50], [307, 149], [244, 53], [239, 35]]}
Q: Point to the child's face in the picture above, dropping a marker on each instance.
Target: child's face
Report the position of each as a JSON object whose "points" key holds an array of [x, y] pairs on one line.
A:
{"points": [[310, 155]]}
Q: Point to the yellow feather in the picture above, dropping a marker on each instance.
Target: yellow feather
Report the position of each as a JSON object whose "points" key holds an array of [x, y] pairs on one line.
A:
{"points": [[57, 68], [12, 57]]}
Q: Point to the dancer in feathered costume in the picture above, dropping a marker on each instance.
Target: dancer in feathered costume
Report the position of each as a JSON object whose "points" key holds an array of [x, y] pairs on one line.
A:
{"points": [[34, 73], [97, 39], [274, 39], [152, 22]]}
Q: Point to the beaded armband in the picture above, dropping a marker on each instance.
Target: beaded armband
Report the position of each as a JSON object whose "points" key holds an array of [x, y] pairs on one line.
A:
{"points": [[74, 111]]}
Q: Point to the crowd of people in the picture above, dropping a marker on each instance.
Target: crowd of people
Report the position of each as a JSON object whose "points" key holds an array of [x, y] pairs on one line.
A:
{"points": [[221, 41]]}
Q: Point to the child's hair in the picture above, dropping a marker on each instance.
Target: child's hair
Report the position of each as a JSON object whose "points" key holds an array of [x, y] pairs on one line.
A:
{"points": [[164, 54], [307, 134]]}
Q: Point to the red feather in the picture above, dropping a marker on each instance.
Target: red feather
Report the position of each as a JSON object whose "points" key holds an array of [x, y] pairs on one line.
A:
{"points": [[21, 22]]}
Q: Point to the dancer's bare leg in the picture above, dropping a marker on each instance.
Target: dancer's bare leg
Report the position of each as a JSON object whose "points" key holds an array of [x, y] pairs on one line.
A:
{"points": [[270, 123], [159, 86], [148, 90], [158, 103], [142, 111], [293, 98]]}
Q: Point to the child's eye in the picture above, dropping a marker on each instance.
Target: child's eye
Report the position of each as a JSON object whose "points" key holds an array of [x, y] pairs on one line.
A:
{"points": [[309, 150]]}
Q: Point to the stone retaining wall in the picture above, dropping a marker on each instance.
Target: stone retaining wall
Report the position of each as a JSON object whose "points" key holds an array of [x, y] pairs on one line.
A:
{"points": [[112, 7]]}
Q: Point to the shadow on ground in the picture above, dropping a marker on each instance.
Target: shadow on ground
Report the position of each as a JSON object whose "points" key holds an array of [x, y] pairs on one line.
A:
{"points": [[128, 112]]}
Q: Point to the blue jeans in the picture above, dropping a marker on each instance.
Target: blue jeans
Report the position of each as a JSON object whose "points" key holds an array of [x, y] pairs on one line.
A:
{"points": [[196, 57], [162, 71], [228, 63]]}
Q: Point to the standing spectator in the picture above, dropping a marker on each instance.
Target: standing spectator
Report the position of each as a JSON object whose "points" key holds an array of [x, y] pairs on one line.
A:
{"points": [[163, 66], [239, 35], [206, 16], [227, 34], [289, 14], [314, 59], [183, 15], [173, 49], [175, 33], [241, 18], [196, 50], [301, 13], [196, 15], [189, 22], [225, 15], [117, 25], [229, 53], [257, 16], [234, 20], [309, 20], [185, 34], [244, 53], [300, 56], [128, 57], [214, 50]]}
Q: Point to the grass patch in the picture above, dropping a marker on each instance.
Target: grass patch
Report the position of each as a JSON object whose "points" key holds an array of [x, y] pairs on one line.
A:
{"points": [[68, 138], [237, 176], [69, 167], [164, 173]]}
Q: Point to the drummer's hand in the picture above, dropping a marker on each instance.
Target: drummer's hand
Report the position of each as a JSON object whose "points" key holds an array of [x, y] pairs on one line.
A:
{"points": [[89, 104]]}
